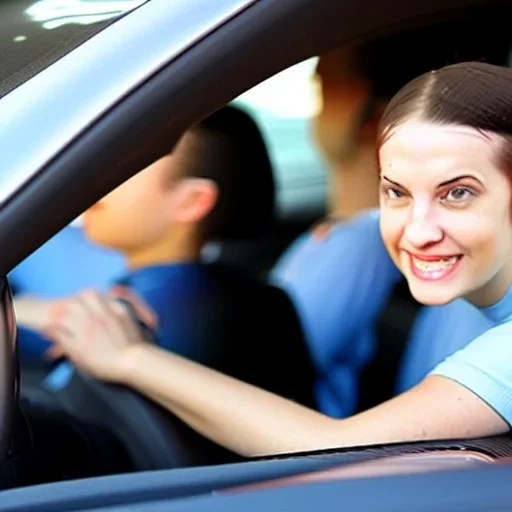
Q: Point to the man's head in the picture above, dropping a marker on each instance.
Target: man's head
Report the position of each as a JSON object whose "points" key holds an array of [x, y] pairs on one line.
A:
{"points": [[167, 211], [357, 82]]}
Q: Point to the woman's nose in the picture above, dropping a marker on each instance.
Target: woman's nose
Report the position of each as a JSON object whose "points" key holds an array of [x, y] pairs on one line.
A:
{"points": [[422, 231]]}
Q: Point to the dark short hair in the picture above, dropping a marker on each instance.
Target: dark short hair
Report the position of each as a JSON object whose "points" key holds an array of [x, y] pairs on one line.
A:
{"points": [[228, 148]]}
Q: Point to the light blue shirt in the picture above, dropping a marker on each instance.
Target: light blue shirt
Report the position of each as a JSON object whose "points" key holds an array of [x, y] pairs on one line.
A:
{"points": [[484, 366], [438, 331], [339, 285], [66, 264]]}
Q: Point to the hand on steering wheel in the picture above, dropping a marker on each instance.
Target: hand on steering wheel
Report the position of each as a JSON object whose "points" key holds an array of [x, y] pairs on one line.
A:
{"points": [[96, 332]]}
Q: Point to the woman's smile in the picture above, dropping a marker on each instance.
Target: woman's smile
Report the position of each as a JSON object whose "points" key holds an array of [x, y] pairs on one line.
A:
{"points": [[433, 267]]}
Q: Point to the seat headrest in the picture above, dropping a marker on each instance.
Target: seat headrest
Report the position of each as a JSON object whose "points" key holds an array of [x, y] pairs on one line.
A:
{"points": [[246, 205]]}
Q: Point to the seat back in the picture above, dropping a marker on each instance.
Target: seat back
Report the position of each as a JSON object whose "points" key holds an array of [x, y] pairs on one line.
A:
{"points": [[262, 339], [392, 330]]}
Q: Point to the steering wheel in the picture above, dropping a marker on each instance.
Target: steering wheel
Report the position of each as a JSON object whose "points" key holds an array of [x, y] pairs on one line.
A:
{"points": [[153, 437]]}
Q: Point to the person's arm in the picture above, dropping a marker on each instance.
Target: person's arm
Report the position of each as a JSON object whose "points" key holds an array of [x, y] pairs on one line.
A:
{"points": [[34, 316], [35, 313], [253, 422], [101, 338]]}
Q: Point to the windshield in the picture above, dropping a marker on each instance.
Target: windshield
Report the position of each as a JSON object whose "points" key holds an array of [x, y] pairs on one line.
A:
{"points": [[36, 33]]}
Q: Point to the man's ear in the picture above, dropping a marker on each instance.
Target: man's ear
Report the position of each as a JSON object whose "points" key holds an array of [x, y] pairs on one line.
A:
{"points": [[196, 198]]}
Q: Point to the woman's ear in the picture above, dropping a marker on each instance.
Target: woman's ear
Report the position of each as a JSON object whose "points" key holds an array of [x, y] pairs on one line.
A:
{"points": [[195, 200]]}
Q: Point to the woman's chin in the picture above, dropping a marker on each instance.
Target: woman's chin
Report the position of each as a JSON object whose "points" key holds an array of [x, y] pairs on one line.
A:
{"points": [[431, 295]]}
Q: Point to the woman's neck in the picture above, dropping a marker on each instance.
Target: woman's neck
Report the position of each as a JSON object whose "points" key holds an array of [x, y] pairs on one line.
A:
{"points": [[494, 291]]}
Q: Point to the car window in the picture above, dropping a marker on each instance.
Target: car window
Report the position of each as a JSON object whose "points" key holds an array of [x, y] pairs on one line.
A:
{"points": [[283, 106], [36, 33]]}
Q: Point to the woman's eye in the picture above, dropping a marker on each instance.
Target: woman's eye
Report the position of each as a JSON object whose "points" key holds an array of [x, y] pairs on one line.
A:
{"points": [[459, 194], [393, 193]]}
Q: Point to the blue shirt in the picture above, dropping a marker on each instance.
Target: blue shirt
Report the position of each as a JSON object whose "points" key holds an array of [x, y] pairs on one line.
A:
{"points": [[484, 365], [438, 332], [339, 285], [63, 266], [179, 294], [183, 297], [66, 264]]}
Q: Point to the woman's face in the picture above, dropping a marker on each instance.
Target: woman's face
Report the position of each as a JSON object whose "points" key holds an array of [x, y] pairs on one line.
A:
{"points": [[445, 212]]}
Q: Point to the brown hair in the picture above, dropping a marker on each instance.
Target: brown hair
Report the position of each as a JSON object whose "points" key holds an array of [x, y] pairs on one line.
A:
{"points": [[474, 94]]}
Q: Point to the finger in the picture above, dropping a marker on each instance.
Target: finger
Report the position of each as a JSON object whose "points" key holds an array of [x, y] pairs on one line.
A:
{"points": [[94, 302], [60, 336], [142, 310], [85, 314], [127, 319], [56, 311], [71, 316], [53, 353], [121, 309]]}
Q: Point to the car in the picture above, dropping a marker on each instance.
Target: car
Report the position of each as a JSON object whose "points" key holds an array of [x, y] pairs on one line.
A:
{"points": [[93, 91]]}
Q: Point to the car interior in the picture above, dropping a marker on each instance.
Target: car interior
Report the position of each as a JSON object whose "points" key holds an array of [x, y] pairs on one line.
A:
{"points": [[91, 429]]}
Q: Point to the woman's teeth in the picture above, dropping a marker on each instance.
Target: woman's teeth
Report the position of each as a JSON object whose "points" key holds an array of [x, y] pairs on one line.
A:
{"points": [[432, 265]]}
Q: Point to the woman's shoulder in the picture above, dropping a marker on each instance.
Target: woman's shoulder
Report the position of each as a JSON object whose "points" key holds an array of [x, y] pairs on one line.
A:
{"points": [[483, 366], [494, 344]]}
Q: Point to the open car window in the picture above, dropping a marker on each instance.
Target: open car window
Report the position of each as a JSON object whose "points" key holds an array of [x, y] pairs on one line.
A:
{"points": [[284, 106]]}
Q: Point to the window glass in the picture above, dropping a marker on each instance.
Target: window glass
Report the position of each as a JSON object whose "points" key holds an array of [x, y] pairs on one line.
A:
{"points": [[283, 106]]}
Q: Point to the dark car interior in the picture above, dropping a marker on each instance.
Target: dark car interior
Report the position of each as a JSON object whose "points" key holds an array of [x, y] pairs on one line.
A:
{"points": [[93, 429]]}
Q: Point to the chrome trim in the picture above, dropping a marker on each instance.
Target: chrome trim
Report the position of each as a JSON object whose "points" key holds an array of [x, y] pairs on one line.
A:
{"points": [[40, 117]]}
